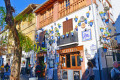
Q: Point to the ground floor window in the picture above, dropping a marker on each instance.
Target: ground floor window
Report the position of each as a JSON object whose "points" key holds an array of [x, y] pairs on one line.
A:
{"points": [[70, 60]]}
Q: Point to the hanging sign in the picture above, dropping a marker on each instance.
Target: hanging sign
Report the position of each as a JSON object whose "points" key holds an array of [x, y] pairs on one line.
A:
{"points": [[86, 35]]}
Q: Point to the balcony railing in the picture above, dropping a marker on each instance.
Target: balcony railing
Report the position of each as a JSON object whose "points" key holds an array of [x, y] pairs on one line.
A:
{"points": [[73, 7], [46, 21], [71, 39]]}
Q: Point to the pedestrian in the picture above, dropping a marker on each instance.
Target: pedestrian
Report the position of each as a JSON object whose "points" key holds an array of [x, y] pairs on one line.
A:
{"points": [[38, 71], [90, 71], [2, 71], [115, 73], [7, 67]]}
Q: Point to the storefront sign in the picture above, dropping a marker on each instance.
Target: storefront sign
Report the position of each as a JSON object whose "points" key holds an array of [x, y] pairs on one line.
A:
{"points": [[86, 35], [76, 75], [68, 50]]}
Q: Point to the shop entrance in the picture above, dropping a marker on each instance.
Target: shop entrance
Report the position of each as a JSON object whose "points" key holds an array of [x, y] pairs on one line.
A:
{"points": [[41, 62]]}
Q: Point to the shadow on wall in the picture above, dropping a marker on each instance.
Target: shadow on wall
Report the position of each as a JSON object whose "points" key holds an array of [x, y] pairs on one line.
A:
{"points": [[105, 73]]}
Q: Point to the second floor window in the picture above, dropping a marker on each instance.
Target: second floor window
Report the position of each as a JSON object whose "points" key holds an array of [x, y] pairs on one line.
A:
{"points": [[67, 26]]}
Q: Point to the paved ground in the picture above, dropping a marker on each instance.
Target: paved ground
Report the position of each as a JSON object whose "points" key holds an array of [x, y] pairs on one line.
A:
{"points": [[24, 77]]}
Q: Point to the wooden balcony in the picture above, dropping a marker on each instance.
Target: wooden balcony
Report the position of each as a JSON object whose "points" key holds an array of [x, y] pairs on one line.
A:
{"points": [[46, 21], [71, 8]]}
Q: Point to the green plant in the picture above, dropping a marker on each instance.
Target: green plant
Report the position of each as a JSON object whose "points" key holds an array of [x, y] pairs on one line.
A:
{"points": [[67, 32], [101, 12], [79, 21]]}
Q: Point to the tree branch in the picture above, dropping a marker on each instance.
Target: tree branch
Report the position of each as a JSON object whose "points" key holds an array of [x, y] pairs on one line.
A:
{"points": [[3, 31]]}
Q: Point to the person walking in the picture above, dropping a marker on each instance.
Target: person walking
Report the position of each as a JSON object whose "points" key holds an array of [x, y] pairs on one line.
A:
{"points": [[115, 73], [90, 71], [7, 67]]}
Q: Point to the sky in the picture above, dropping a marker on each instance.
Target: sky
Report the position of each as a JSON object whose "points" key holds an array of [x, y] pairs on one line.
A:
{"points": [[20, 5]]}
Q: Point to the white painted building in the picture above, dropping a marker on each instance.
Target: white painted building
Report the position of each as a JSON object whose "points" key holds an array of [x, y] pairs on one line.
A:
{"points": [[57, 18]]}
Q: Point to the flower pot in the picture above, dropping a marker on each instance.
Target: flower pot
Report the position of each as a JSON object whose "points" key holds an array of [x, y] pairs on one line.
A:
{"points": [[87, 14], [104, 39], [66, 18], [59, 26], [85, 21], [58, 37], [106, 28], [51, 37], [101, 14], [113, 24], [101, 30], [103, 20], [42, 29], [63, 36], [67, 35], [106, 35], [105, 50], [115, 38], [104, 14], [107, 22], [72, 33], [52, 32], [51, 27], [108, 40], [79, 24], [42, 42], [57, 31], [76, 19], [76, 29], [110, 30], [81, 59], [91, 23]]}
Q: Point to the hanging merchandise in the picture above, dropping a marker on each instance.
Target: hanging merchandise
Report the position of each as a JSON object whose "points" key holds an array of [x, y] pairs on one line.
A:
{"points": [[85, 20], [79, 23], [76, 18], [101, 29], [88, 14], [59, 25]]}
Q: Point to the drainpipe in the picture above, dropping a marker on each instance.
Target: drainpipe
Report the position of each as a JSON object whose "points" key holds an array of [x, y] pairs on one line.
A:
{"points": [[96, 41]]}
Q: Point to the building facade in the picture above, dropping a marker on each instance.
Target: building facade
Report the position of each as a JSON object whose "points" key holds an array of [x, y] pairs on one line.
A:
{"points": [[76, 31]]}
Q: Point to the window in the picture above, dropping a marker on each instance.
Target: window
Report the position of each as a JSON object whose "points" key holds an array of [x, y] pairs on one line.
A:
{"points": [[71, 61], [67, 26]]}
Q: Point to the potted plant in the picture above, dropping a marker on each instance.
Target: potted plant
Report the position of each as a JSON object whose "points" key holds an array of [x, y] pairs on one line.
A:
{"points": [[67, 34], [59, 25], [101, 29], [113, 24], [104, 38], [91, 22], [51, 27], [56, 30], [72, 33], [42, 29], [66, 18], [107, 21], [58, 34], [23, 62], [52, 31], [81, 58], [52, 37], [106, 28], [29, 64], [76, 18], [115, 38], [109, 30], [76, 28], [43, 43], [87, 14], [85, 20], [63, 36], [103, 19], [104, 13], [105, 49], [79, 23], [101, 13]]}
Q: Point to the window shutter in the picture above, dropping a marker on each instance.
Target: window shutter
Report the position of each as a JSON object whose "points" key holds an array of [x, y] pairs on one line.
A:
{"points": [[67, 26]]}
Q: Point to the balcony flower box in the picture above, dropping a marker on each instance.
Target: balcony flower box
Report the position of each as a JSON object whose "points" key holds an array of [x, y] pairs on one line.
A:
{"points": [[85, 21], [101, 29], [79, 23], [76, 18], [88, 14]]}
